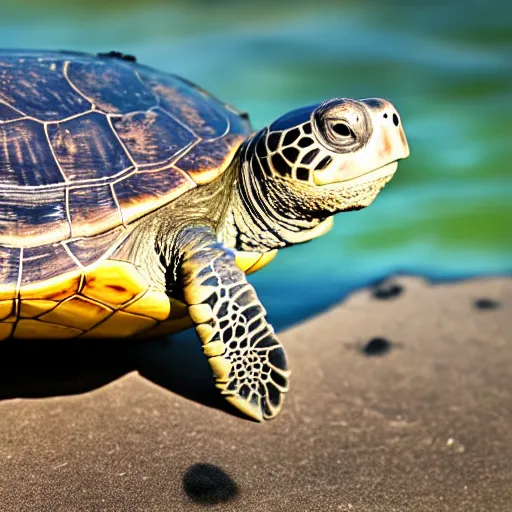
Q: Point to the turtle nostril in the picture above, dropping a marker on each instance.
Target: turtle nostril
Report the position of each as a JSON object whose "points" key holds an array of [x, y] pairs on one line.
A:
{"points": [[396, 121]]}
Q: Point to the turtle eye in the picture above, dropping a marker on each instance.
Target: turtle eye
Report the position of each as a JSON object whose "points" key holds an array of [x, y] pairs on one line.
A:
{"points": [[342, 125], [339, 133], [343, 130]]}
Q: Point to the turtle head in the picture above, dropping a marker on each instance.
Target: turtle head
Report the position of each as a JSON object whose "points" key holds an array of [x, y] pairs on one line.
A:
{"points": [[323, 159], [340, 143]]}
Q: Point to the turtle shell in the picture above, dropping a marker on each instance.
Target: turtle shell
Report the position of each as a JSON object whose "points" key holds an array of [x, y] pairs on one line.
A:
{"points": [[90, 144]]}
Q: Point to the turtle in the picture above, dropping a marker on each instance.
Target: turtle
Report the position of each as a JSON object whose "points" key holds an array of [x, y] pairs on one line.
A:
{"points": [[133, 204]]}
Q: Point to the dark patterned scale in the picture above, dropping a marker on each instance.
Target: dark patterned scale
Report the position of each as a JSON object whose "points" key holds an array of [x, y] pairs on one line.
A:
{"points": [[88, 144]]}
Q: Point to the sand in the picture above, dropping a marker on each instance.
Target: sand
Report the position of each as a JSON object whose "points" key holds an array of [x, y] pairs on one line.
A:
{"points": [[401, 400]]}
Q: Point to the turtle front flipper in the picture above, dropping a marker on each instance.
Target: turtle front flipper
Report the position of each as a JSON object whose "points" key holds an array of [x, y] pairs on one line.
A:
{"points": [[247, 360]]}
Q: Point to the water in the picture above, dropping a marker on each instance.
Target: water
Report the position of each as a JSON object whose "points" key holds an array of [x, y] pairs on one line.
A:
{"points": [[447, 66]]}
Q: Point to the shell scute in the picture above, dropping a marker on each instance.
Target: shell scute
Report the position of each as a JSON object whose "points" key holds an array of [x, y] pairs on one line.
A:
{"points": [[25, 156], [204, 115], [37, 88], [28, 328], [92, 209], [7, 309], [27, 219], [152, 137], [78, 312], [120, 325], [56, 289], [111, 85], [34, 308], [5, 331], [90, 249], [137, 193], [208, 159], [8, 113], [45, 262], [154, 304], [87, 149]]}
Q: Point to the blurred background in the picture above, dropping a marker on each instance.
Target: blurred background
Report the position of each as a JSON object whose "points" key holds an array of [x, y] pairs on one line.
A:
{"points": [[447, 66]]}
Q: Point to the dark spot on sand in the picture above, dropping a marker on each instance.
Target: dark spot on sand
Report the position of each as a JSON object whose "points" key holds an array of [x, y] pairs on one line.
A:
{"points": [[376, 347], [484, 303], [207, 484], [388, 291]]}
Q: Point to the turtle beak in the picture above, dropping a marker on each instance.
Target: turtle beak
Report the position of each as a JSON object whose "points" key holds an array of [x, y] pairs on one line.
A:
{"points": [[393, 142]]}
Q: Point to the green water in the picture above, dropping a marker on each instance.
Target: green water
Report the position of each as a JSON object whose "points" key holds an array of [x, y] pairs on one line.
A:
{"points": [[447, 66]]}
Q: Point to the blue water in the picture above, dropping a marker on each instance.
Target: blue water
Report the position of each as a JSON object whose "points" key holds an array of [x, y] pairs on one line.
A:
{"points": [[447, 66]]}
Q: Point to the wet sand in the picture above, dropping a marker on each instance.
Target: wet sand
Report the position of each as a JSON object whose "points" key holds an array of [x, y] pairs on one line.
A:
{"points": [[401, 400]]}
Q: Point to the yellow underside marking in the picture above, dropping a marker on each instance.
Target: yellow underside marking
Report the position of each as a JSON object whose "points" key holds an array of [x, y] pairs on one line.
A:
{"points": [[58, 288], [6, 308], [33, 308], [71, 304], [120, 325], [114, 283], [7, 292], [153, 304], [112, 299], [77, 312], [34, 329]]}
